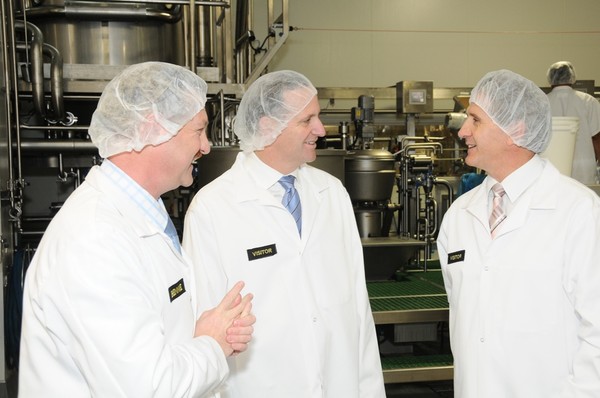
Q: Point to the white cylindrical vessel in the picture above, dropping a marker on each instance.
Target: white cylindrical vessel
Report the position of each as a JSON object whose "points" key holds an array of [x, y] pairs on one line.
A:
{"points": [[562, 145]]}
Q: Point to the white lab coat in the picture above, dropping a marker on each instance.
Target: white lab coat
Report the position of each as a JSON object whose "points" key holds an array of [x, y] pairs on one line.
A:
{"points": [[314, 334], [525, 307], [98, 319], [565, 101]]}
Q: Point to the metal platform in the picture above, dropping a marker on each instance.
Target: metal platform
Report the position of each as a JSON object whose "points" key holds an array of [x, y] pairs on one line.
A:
{"points": [[414, 297], [409, 369]]}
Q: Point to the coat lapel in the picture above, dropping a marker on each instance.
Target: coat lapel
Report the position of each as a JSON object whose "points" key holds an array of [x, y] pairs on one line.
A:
{"points": [[314, 188], [538, 196]]}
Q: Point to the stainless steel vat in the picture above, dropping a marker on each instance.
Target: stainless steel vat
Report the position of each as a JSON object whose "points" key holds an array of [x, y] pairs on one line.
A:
{"points": [[369, 175], [110, 33]]}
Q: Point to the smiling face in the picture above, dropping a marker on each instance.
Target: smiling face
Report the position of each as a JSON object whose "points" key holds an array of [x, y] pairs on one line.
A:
{"points": [[296, 144], [486, 142], [189, 144]]}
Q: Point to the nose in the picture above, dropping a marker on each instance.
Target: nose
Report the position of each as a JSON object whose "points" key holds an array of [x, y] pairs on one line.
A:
{"points": [[319, 129], [464, 130], [204, 145]]}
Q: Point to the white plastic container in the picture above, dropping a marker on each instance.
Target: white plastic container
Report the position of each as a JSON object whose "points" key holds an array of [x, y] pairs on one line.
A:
{"points": [[562, 145]]}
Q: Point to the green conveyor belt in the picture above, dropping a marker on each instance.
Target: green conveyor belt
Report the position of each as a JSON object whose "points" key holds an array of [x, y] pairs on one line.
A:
{"points": [[411, 291], [409, 303], [420, 361], [412, 284]]}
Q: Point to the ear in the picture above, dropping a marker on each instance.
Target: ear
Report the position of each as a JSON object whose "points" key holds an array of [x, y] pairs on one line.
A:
{"points": [[267, 125], [519, 132]]}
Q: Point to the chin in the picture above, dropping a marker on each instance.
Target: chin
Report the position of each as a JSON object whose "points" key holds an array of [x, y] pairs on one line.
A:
{"points": [[470, 160], [310, 159], [186, 181]]}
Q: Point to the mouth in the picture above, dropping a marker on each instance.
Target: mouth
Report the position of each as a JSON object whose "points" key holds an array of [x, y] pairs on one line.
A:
{"points": [[194, 164], [312, 143], [197, 156]]}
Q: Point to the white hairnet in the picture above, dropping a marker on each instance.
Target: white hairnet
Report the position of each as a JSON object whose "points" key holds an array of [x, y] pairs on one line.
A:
{"points": [[517, 106], [268, 106], [561, 72], [146, 104]]}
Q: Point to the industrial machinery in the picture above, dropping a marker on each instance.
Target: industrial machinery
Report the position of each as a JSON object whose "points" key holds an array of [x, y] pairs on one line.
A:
{"points": [[402, 169], [363, 117], [402, 165], [370, 176], [421, 210]]}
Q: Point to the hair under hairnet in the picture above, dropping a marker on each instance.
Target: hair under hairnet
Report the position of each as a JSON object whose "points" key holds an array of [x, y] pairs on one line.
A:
{"points": [[517, 106], [146, 104], [561, 72], [269, 105]]}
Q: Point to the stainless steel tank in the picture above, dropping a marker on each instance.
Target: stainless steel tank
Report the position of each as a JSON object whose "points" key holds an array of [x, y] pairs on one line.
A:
{"points": [[110, 33], [369, 179], [369, 175]]}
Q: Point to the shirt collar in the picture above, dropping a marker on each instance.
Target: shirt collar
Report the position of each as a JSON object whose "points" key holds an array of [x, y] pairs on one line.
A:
{"points": [[519, 180], [154, 209], [264, 175]]}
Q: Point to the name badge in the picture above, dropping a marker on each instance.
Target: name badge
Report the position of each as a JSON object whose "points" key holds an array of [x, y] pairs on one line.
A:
{"points": [[456, 257], [176, 290], [262, 252]]}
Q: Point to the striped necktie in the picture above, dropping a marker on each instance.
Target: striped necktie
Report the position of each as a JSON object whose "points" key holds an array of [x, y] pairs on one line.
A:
{"points": [[291, 200], [498, 214]]}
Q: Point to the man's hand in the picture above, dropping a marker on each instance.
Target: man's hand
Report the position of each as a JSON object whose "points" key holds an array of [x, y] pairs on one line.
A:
{"points": [[230, 323]]}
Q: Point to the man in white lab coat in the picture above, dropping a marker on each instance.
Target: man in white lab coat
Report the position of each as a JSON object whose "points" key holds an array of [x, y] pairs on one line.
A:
{"points": [[110, 300], [566, 101], [520, 256], [314, 335]]}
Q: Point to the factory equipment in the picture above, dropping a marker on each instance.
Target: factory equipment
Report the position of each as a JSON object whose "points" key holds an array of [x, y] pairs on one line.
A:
{"points": [[420, 214], [414, 166], [363, 116], [412, 98], [370, 177]]}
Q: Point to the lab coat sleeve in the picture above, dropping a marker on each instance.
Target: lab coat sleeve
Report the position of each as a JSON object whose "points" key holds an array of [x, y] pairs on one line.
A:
{"points": [[371, 375], [211, 280], [581, 283], [104, 310]]}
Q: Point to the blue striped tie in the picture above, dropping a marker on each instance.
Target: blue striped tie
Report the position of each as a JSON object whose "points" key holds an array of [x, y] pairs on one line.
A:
{"points": [[172, 233], [291, 200]]}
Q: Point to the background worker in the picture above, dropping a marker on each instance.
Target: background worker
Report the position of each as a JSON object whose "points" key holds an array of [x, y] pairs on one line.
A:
{"points": [[110, 298], [520, 257], [566, 101], [315, 336]]}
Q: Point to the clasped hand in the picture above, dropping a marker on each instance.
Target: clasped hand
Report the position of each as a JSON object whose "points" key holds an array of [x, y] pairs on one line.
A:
{"points": [[230, 322]]}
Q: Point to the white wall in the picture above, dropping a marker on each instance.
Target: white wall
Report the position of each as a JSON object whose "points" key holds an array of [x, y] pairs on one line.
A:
{"points": [[376, 43]]}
